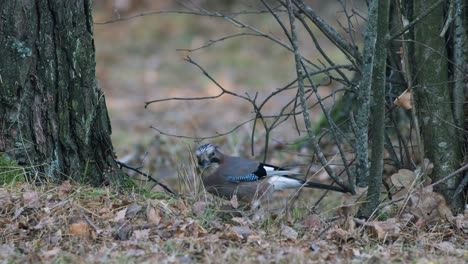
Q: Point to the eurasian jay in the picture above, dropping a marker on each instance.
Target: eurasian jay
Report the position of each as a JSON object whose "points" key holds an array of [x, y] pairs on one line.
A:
{"points": [[225, 176]]}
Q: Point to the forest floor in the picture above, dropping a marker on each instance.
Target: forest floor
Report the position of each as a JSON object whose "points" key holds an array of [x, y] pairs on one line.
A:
{"points": [[72, 223], [137, 61]]}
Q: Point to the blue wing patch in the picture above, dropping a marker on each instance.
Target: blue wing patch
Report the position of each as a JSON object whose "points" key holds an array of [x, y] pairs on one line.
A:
{"points": [[249, 177]]}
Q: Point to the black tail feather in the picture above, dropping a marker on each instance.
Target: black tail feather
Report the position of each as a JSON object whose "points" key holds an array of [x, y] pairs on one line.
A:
{"points": [[317, 185]]}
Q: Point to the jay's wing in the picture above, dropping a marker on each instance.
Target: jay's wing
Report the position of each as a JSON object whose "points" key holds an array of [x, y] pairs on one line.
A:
{"points": [[237, 169]]}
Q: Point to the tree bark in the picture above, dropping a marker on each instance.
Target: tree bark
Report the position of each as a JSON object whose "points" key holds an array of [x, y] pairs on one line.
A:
{"points": [[377, 108], [433, 101], [53, 116]]}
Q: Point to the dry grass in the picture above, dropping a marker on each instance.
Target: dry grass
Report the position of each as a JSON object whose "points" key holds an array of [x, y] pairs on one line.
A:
{"points": [[137, 62], [72, 223]]}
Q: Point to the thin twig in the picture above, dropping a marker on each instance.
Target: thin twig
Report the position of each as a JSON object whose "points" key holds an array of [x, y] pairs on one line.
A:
{"points": [[415, 21], [463, 168], [305, 113], [167, 189]]}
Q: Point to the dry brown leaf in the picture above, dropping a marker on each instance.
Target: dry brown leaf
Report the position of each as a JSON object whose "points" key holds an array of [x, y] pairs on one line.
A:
{"points": [[106, 212], [428, 207], [31, 199], [199, 208], [446, 246], [195, 230], [242, 231], [461, 222], [289, 232], [404, 100], [339, 234], [141, 235], [240, 220], [312, 222], [132, 210], [49, 255], [385, 229], [44, 221], [124, 230], [232, 235], [56, 237], [18, 212], [234, 202], [5, 199], [80, 229], [120, 215], [153, 215], [428, 166], [403, 178], [64, 189]]}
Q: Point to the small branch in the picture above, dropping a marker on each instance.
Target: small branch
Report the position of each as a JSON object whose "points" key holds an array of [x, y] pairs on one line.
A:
{"points": [[335, 37], [147, 176], [415, 21], [303, 102], [463, 168], [206, 137], [211, 42], [192, 12]]}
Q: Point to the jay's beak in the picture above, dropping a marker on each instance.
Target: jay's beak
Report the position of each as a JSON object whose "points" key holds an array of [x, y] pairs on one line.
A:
{"points": [[203, 164]]}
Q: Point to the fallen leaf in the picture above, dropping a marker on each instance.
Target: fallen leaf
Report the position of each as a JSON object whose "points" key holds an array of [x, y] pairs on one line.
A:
{"points": [[240, 220], [18, 212], [234, 202], [461, 222], [199, 208], [312, 222], [44, 221], [242, 231], [428, 166], [153, 216], [5, 199], [289, 232], [385, 229], [428, 207], [80, 229], [124, 230], [56, 237], [6, 251], [31, 199], [339, 234], [132, 210], [446, 246], [403, 178], [141, 235], [120, 215], [404, 100], [64, 189], [49, 255]]}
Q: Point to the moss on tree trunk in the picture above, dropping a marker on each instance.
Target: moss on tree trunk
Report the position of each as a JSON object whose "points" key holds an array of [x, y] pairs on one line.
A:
{"points": [[53, 115]]}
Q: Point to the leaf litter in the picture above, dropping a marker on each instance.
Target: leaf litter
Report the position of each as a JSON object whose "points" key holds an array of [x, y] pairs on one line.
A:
{"points": [[83, 224]]}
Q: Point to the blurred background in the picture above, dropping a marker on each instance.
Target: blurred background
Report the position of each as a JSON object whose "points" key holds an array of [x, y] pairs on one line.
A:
{"points": [[142, 59]]}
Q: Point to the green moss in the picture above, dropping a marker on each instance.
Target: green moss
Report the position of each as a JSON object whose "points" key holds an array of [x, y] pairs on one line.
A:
{"points": [[20, 47], [74, 104], [10, 171]]}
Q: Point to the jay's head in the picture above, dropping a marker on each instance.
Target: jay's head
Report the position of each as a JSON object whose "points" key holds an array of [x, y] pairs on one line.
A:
{"points": [[208, 156]]}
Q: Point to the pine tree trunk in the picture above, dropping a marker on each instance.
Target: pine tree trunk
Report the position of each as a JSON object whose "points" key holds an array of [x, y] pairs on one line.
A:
{"points": [[53, 116]]}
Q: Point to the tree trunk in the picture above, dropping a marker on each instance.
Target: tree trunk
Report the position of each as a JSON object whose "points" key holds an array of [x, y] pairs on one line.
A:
{"points": [[53, 116], [433, 101], [380, 13]]}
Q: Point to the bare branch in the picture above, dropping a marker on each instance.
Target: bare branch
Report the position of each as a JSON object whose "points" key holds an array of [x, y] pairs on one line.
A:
{"points": [[300, 74], [330, 32], [167, 189], [415, 21]]}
